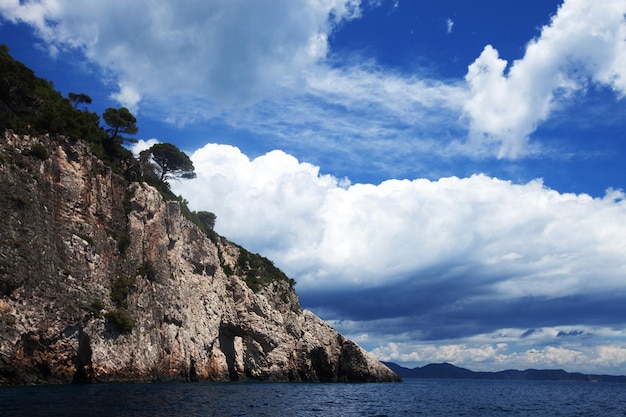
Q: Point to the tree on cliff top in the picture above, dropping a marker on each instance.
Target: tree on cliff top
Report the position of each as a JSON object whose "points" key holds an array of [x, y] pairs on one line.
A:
{"points": [[120, 121], [79, 98], [30, 105], [171, 161]]}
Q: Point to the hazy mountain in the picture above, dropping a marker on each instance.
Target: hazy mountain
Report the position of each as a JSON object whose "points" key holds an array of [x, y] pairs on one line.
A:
{"points": [[446, 370]]}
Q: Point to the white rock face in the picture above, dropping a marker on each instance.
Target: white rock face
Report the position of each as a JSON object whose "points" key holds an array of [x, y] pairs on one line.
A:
{"points": [[101, 280]]}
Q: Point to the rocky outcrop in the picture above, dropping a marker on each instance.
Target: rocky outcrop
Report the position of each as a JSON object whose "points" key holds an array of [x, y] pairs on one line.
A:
{"points": [[102, 280]]}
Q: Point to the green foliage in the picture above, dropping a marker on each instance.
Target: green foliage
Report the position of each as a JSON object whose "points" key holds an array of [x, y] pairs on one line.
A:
{"points": [[207, 219], [255, 283], [123, 242], [121, 320], [147, 270], [120, 290], [86, 238], [95, 309], [163, 188], [120, 121], [20, 163], [30, 105], [127, 204], [79, 98], [171, 161], [259, 271], [228, 270], [117, 157], [38, 150]]}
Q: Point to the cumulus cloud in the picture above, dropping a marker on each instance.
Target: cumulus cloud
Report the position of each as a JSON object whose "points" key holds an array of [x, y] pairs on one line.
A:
{"points": [[511, 240], [584, 43], [142, 145], [225, 51], [428, 262]]}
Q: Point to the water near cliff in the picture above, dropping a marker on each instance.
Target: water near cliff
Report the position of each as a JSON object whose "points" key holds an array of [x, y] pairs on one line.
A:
{"points": [[414, 397]]}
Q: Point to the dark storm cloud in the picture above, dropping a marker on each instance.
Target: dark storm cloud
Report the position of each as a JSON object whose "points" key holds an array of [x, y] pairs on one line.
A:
{"points": [[437, 311], [528, 333], [568, 334]]}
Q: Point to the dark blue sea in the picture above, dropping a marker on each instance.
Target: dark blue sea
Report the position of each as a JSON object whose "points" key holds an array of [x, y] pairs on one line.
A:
{"points": [[413, 397]]}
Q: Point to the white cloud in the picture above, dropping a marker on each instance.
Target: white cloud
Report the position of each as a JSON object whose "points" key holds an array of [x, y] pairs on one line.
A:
{"points": [[449, 25], [585, 42], [521, 239], [360, 111], [142, 145], [35, 13], [128, 96], [359, 87], [483, 353], [225, 51]]}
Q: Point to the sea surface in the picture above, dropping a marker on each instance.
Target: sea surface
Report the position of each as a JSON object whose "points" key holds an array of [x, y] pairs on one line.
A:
{"points": [[413, 397]]}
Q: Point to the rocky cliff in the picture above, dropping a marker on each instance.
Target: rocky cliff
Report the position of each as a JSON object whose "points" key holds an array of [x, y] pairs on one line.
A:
{"points": [[102, 280]]}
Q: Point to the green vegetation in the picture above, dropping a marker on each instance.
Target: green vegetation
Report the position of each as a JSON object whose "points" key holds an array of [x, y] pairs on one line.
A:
{"points": [[120, 121], [207, 219], [228, 270], [96, 308], [79, 98], [86, 238], [121, 320], [123, 242], [120, 290], [171, 162], [38, 150], [259, 271], [147, 270], [32, 106]]}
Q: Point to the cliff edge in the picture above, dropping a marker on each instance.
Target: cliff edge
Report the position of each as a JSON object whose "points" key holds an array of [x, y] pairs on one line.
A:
{"points": [[102, 280]]}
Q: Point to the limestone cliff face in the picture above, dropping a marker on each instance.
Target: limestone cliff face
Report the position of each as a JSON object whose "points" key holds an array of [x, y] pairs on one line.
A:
{"points": [[101, 280]]}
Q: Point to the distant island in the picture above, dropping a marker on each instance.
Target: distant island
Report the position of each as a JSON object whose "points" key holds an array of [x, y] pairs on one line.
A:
{"points": [[449, 371]]}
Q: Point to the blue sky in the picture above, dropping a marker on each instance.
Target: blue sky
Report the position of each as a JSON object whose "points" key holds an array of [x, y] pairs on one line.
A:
{"points": [[442, 179]]}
